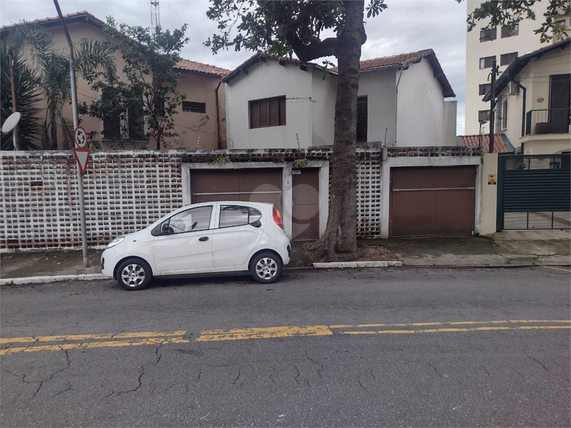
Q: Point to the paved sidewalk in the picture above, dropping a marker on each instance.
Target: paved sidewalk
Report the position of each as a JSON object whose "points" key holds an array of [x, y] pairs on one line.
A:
{"points": [[504, 249]]}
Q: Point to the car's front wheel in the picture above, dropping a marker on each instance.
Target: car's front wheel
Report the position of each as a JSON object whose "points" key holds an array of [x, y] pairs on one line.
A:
{"points": [[266, 267], [134, 274]]}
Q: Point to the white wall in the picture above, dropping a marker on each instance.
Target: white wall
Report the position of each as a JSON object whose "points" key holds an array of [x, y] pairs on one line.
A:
{"points": [[303, 107], [380, 89], [420, 108], [323, 108]]}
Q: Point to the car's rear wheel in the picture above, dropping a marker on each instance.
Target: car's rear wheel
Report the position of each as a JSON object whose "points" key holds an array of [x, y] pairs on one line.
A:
{"points": [[266, 267], [134, 274]]}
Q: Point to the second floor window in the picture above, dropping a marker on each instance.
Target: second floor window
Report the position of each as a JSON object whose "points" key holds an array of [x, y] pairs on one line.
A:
{"points": [[487, 35], [487, 62], [193, 107], [268, 112], [484, 88], [510, 32], [483, 116], [362, 113], [506, 59]]}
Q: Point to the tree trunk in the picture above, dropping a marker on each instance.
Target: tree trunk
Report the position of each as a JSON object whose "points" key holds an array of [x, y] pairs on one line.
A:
{"points": [[340, 237]]}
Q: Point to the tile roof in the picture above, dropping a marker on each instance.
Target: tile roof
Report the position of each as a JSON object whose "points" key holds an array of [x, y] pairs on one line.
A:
{"points": [[183, 65], [199, 68], [501, 142], [404, 60], [53, 21]]}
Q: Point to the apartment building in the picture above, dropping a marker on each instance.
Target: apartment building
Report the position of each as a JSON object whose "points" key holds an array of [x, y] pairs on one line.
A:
{"points": [[502, 45]]}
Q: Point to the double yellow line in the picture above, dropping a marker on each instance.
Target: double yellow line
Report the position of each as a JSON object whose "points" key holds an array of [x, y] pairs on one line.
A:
{"points": [[16, 345], [370, 329], [86, 341]]}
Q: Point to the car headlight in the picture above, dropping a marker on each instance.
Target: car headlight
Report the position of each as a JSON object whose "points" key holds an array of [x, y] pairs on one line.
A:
{"points": [[115, 242]]}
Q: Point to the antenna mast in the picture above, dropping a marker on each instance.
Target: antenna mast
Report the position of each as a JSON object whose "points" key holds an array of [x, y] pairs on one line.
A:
{"points": [[155, 12]]}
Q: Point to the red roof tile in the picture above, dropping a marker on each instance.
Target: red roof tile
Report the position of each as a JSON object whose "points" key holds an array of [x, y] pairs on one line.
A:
{"points": [[197, 67], [55, 20], [500, 145], [395, 60]]}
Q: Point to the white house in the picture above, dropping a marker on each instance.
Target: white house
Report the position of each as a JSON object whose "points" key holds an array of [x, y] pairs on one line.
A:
{"points": [[534, 100], [284, 103]]}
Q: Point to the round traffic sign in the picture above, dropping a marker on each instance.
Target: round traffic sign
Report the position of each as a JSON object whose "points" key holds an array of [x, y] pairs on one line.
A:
{"points": [[80, 137]]}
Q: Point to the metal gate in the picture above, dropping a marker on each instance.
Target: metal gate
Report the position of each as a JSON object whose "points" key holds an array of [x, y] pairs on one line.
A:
{"points": [[534, 192]]}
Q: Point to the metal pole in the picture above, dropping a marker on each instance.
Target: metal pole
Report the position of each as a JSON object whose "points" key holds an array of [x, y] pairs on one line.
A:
{"points": [[492, 106], [75, 125]]}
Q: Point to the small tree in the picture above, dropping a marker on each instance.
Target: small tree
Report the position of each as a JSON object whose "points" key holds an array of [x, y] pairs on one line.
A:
{"points": [[27, 95], [94, 58], [149, 91]]}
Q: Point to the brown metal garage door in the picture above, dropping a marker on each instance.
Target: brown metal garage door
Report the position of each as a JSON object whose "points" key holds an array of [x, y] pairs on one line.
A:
{"points": [[428, 201], [256, 185]]}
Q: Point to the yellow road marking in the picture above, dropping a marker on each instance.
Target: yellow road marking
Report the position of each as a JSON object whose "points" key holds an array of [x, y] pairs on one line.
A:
{"points": [[457, 330], [263, 333], [422, 324], [108, 344], [554, 268], [70, 337]]}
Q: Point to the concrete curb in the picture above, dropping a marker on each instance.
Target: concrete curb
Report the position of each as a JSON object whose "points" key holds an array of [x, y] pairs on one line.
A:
{"points": [[49, 279], [356, 265]]}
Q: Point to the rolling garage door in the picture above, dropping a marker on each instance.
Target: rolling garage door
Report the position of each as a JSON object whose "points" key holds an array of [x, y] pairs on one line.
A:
{"points": [[255, 185], [435, 201]]}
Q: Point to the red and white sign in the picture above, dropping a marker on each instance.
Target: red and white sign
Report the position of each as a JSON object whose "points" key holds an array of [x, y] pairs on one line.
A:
{"points": [[80, 137], [81, 156]]}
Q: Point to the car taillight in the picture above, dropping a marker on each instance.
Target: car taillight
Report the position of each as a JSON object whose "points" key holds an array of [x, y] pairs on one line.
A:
{"points": [[277, 217]]}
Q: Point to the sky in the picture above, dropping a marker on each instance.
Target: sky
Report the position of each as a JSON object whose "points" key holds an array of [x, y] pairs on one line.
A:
{"points": [[405, 26]]}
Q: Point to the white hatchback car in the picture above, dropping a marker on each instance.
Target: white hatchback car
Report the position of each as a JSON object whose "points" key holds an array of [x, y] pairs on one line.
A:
{"points": [[209, 237]]}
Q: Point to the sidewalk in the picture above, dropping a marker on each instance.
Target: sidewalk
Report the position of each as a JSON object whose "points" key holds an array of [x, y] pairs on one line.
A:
{"points": [[504, 249]]}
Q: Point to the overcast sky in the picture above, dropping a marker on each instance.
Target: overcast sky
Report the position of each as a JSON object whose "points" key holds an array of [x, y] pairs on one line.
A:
{"points": [[405, 26]]}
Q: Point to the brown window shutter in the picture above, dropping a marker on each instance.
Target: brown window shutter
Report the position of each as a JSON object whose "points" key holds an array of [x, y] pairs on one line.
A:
{"points": [[254, 114], [282, 107], [274, 112], [264, 113]]}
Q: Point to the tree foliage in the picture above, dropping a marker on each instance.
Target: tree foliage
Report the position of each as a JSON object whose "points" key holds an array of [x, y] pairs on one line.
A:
{"points": [[150, 87], [510, 13], [27, 94], [93, 58]]}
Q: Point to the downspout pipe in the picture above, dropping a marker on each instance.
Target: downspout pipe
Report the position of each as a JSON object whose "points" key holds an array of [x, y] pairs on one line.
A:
{"points": [[397, 103], [523, 88], [218, 116]]}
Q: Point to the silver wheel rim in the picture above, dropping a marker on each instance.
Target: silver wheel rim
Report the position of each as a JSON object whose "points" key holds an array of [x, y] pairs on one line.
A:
{"points": [[266, 268], [133, 275]]}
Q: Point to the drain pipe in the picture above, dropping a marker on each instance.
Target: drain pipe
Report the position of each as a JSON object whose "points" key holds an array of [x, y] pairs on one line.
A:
{"points": [[523, 88], [397, 103], [218, 115]]}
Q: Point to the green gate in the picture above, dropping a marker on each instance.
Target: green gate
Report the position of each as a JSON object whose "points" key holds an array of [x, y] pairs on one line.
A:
{"points": [[534, 192]]}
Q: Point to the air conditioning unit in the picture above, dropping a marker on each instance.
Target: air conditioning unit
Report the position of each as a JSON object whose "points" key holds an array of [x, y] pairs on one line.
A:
{"points": [[513, 88]]}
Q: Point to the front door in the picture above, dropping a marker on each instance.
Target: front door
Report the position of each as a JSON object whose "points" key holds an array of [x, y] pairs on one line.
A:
{"points": [[186, 245]]}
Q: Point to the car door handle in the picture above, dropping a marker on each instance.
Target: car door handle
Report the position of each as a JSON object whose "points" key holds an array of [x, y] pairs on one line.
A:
{"points": [[203, 239]]}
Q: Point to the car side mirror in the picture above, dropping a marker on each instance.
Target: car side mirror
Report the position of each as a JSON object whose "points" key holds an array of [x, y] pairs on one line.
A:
{"points": [[166, 229], [256, 223]]}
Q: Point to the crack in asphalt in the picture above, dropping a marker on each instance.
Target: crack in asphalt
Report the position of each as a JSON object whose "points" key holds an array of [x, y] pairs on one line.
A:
{"points": [[538, 362]]}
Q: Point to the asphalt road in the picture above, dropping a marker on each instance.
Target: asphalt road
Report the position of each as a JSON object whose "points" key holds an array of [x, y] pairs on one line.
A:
{"points": [[387, 347]]}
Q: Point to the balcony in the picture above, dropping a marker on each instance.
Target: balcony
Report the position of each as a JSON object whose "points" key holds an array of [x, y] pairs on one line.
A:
{"points": [[548, 121]]}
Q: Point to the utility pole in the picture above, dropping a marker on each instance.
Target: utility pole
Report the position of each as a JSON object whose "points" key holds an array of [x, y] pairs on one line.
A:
{"points": [[75, 125], [493, 105]]}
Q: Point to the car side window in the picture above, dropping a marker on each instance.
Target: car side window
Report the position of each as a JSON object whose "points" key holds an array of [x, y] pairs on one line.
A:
{"points": [[192, 220], [234, 215]]}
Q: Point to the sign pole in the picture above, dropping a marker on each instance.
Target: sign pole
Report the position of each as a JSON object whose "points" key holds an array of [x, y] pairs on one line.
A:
{"points": [[75, 125]]}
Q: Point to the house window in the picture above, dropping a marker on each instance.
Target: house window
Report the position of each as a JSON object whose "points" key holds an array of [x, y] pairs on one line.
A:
{"points": [[268, 112], [506, 59], [484, 88], [489, 34], [487, 62], [159, 105], [510, 31], [193, 107], [362, 113], [483, 116], [123, 120]]}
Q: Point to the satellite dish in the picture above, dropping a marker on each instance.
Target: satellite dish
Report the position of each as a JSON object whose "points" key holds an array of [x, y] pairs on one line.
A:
{"points": [[11, 122]]}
